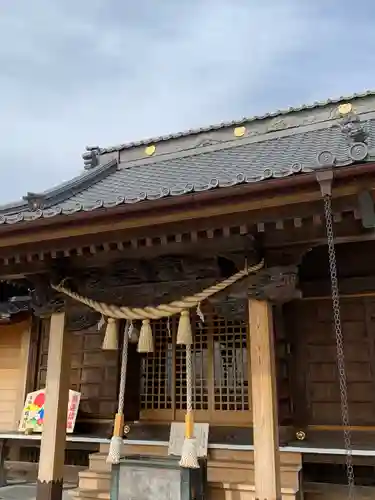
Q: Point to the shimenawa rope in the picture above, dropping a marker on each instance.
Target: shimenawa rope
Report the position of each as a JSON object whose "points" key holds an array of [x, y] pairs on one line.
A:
{"points": [[189, 457], [162, 310]]}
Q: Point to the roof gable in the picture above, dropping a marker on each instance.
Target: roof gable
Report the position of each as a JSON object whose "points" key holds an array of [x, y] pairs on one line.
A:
{"points": [[275, 146]]}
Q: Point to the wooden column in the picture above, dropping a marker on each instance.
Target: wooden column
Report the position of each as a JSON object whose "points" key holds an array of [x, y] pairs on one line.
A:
{"points": [[52, 450], [3, 477], [264, 401]]}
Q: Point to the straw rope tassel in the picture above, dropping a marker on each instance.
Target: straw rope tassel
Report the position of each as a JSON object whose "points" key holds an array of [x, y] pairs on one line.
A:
{"points": [[189, 456], [110, 342], [114, 453], [145, 342], [184, 333]]}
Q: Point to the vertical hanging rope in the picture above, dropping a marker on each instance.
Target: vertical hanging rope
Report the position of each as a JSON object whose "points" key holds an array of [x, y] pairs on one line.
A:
{"points": [[114, 453], [189, 456]]}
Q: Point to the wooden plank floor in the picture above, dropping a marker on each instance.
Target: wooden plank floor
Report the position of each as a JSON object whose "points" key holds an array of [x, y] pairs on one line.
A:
{"points": [[321, 491], [332, 442]]}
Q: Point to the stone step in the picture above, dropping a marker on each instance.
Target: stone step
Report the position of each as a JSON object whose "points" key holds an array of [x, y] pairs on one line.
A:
{"points": [[90, 495], [239, 490], [98, 463], [93, 480]]}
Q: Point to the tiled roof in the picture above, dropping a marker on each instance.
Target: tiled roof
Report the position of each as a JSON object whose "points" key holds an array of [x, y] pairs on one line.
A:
{"points": [[241, 121], [276, 153]]}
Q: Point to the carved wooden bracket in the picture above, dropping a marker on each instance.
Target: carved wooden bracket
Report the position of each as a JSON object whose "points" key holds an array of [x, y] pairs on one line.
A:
{"points": [[232, 308], [44, 300], [366, 209], [276, 284], [287, 256], [15, 300], [13, 307], [81, 318]]}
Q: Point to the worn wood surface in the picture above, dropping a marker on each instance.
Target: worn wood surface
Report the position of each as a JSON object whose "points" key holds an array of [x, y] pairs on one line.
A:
{"points": [[265, 415], [14, 342], [316, 350], [52, 449], [93, 372]]}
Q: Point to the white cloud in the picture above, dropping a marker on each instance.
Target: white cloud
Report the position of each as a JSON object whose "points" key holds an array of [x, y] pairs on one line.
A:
{"points": [[108, 71]]}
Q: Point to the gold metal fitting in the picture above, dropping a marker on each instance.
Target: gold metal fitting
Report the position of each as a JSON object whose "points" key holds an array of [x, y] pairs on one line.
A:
{"points": [[126, 429], [150, 149], [300, 435], [239, 131], [345, 109]]}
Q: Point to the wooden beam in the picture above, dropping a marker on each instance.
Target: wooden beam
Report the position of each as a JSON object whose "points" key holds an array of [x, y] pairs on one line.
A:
{"points": [[348, 229], [73, 226], [348, 286], [265, 418], [167, 235], [52, 450], [207, 247]]}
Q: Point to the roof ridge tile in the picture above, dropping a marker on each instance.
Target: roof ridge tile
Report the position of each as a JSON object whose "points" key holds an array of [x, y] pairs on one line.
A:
{"points": [[240, 121]]}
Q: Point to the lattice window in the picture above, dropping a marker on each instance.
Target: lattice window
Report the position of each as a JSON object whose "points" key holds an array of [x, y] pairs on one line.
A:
{"points": [[157, 370], [200, 369], [201, 355], [230, 365], [220, 367]]}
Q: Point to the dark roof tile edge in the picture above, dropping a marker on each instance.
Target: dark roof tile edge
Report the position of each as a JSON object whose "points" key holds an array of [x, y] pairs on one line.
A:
{"points": [[65, 190], [234, 123], [177, 190]]}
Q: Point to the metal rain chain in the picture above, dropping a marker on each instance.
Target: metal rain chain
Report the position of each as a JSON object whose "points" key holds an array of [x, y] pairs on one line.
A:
{"points": [[326, 193]]}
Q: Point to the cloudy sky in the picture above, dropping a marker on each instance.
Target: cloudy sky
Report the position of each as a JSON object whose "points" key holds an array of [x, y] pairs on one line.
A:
{"points": [[101, 72]]}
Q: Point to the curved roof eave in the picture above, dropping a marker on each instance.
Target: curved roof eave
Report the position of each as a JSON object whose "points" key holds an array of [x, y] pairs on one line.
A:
{"points": [[63, 191]]}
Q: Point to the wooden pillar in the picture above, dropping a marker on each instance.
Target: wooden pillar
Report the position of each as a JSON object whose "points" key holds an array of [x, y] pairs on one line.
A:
{"points": [[3, 477], [264, 402], [52, 450]]}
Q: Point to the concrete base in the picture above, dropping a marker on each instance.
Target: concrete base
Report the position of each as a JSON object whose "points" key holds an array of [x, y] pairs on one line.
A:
{"points": [[149, 479]]}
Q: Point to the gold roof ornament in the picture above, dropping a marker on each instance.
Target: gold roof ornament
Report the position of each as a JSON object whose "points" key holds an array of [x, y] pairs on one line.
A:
{"points": [[150, 150], [239, 131], [345, 109]]}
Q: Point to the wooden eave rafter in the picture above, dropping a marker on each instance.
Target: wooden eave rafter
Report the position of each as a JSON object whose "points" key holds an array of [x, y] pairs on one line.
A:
{"points": [[222, 202], [280, 233]]}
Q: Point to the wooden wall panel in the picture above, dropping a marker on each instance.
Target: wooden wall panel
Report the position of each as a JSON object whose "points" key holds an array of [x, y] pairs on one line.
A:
{"points": [[93, 372], [14, 349], [283, 368], [315, 348]]}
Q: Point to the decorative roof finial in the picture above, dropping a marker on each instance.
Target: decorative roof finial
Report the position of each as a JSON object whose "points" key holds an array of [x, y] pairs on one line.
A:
{"points": [[35, 201], [350, 124], [90, 158]]}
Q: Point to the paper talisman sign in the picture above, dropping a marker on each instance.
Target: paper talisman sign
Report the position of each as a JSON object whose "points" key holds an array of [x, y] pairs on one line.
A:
{"points": [[177, 436], [33, 412]]}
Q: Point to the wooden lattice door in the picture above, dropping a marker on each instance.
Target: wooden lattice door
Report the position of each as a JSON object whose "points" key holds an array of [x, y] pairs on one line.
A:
{"points": [[221, 389]]}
